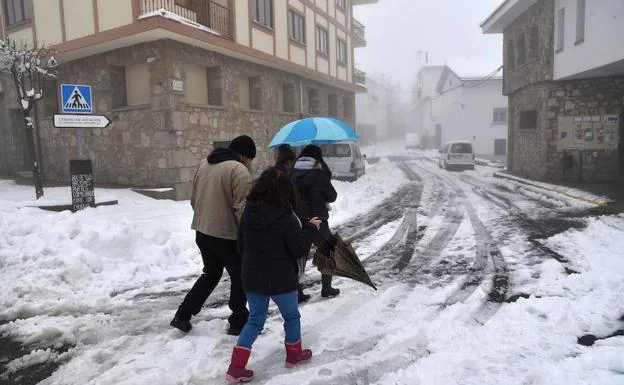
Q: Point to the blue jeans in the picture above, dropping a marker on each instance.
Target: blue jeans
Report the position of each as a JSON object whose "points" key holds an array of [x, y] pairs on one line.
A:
{"points": [[258, 307]]}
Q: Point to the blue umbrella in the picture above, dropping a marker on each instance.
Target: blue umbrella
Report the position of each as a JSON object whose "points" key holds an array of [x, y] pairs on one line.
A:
{"points": [[314, 131]]}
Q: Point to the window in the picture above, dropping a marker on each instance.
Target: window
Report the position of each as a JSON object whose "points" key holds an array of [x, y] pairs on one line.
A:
{"points": [[215, 88], [296, 26], [263, 12], [533, 42], [500, 146], [348, 107], [340, 3], [336, 150], [528, 120], [322, 41], [138, 89], [17, 11], [499, 115], [580, 21], [250, 93], [255, 93], [288, 97], [511, 56], [195, 84], [314, 105], [332, 105], [560, 30], [118, 83], [461, 148], [521, 59], [342, 51]]}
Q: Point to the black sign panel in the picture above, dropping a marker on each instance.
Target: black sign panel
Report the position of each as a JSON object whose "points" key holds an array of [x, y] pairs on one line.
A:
{"points": [[82, 186]]}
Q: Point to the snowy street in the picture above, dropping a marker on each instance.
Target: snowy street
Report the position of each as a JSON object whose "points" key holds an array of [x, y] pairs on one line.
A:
{"points": [[482, 280]]}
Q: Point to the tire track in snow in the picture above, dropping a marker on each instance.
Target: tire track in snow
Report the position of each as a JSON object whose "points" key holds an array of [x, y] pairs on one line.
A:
{"points": [[486, 253]]}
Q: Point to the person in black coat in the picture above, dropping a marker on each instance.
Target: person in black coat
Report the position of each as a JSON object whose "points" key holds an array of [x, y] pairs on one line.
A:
{"points": [[271, 238], [312, 177], [285, 161]]}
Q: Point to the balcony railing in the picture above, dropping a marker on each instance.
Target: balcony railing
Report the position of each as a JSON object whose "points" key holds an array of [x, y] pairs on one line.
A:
{"points": [[206, 13], [359, 33], [359, 77]]}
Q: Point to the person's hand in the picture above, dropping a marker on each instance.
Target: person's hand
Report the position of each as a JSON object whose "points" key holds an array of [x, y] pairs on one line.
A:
{"points": [[316, 222]]}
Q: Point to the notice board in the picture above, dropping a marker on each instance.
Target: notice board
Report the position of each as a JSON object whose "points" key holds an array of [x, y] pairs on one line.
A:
{"points": [[588, 132]]}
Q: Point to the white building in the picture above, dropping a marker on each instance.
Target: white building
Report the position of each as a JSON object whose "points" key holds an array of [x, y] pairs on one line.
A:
{"points": [[588, 39], [372, 110], [463, 106]]}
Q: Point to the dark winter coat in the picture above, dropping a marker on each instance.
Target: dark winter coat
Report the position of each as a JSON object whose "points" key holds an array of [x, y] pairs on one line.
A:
{"points": [[270, 240], [315, 186]]}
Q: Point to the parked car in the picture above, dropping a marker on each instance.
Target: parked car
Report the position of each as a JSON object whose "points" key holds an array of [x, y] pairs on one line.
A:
{"points": [[457, 155], [345, 160]]}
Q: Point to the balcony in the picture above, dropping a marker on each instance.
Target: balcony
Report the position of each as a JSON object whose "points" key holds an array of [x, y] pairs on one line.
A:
{"points": [[359, 77], [203, 14], [359, 36]]}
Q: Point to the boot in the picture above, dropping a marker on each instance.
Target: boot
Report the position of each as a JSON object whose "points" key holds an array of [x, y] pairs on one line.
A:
{"points": [[237, 372], [295, 355], [181, 324], [326, 288], [301, 296]]}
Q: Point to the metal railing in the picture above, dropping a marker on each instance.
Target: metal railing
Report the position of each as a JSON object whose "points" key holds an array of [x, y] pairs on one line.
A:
{"points": [[359, 32], [359, 77], [208, 13]]}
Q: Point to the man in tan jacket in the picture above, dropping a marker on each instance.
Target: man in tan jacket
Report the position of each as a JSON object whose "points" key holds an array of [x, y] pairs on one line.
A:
{"points": [[220, 187]]}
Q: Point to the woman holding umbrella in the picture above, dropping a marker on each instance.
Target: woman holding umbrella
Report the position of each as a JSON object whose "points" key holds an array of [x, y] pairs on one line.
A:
{"points": [[312, 177]]}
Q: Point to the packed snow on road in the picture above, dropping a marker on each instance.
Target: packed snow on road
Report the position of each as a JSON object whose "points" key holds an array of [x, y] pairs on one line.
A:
{"points": [[481, 280]]}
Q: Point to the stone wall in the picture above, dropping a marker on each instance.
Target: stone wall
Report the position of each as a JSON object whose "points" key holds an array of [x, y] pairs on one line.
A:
{"points": [[534, 69], [535, 152], [161, 143], [527, 147]]}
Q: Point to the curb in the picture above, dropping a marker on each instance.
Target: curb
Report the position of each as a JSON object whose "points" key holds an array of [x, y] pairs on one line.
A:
{"points": [[597, 202]]}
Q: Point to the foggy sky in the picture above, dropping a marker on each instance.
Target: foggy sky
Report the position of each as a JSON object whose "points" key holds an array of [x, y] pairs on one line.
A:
{"points": [[447, 29]]}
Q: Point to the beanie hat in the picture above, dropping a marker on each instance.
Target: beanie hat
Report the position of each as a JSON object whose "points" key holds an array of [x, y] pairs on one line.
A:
{"points": [[285, 153], [244, 145], [313, 151]]}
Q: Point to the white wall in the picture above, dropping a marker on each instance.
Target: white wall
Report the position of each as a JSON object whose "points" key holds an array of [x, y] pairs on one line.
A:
{"points": [[371, 108], [603, 44], [473, 122]]}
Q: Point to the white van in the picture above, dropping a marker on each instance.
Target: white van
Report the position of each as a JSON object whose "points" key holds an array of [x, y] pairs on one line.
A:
{"points": [[457, 155], [344, 159]]}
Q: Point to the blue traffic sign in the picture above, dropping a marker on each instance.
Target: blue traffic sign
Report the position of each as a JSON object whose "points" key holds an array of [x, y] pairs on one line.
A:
{"points": [[76, 99]]}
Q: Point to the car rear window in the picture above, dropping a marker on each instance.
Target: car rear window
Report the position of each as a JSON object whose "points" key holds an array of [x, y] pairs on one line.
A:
{"points": [[337, 150], [461, 148]]}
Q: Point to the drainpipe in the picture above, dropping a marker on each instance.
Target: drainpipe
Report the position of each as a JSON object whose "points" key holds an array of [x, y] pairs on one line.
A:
{"points": [[301, 97]]}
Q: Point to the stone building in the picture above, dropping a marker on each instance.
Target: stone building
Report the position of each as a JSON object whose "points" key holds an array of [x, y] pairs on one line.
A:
{"points": [[564, 76], [178, 78]]}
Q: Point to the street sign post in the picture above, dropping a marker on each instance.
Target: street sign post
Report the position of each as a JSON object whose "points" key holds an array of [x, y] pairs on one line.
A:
{"points": [[80, 121]]}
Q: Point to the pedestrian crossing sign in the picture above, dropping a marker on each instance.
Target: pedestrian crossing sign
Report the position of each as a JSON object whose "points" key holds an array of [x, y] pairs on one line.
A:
{"points": [[76, 99]]}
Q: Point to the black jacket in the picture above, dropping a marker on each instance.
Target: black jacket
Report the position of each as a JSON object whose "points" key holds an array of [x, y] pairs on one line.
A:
{"points": [[317, 189], [270, 241]]}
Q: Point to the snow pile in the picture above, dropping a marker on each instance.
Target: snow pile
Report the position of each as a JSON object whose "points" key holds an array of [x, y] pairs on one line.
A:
{"points": [[381, 180]]}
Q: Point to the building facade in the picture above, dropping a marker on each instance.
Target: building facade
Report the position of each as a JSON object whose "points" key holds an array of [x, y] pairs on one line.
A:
{"points": [[180, 77], [564, 76], [457, 105]]}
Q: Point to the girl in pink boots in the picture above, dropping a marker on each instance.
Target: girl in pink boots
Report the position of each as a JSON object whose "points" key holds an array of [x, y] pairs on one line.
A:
{"points": [[271, 238]]}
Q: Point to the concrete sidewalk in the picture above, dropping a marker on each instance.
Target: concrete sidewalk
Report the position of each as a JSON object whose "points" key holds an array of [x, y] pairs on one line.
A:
{"points": [[609, 196]]}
